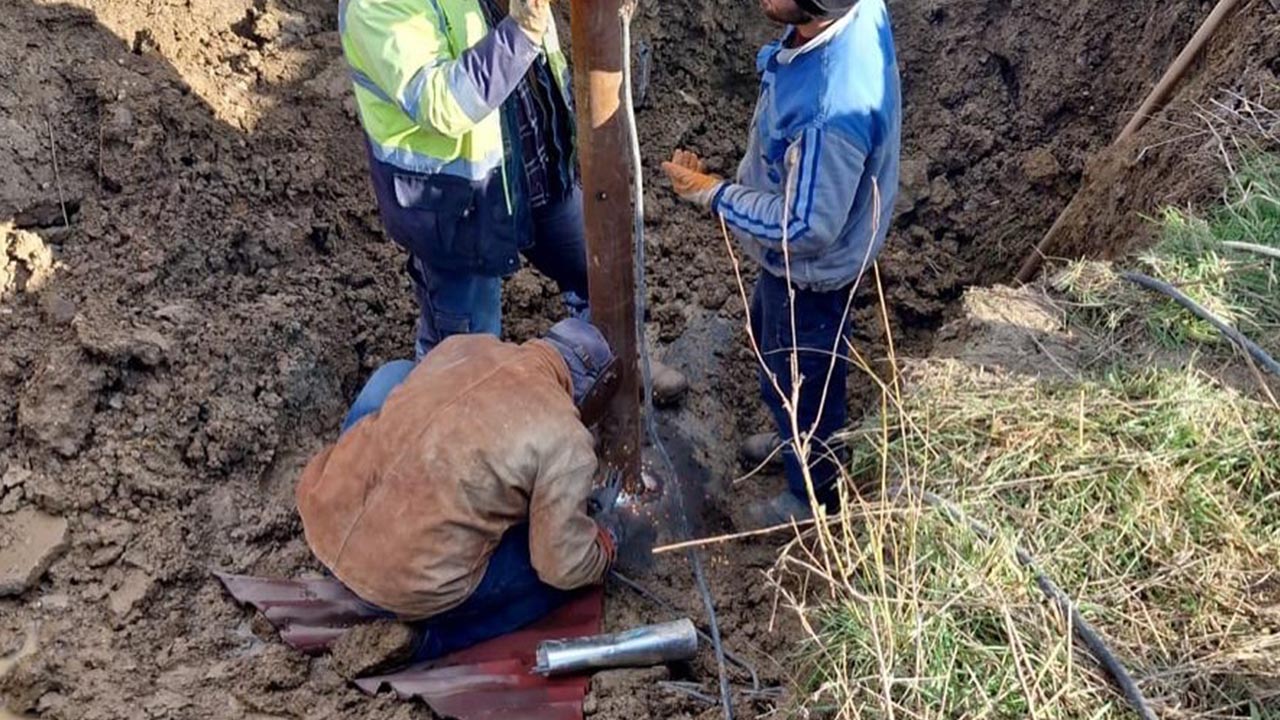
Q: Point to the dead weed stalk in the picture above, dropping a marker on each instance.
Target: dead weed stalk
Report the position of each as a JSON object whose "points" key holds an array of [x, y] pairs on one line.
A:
{"points": [[1149, 495]]}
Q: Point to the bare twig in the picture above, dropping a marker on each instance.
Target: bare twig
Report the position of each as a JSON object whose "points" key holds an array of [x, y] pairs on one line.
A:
{"points": [[57, 174], [1253, 248]]}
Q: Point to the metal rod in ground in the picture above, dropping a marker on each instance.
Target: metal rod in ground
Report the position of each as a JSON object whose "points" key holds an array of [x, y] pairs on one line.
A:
{"points": [[625, 13], [1253, 248], [1199, 311], [57, 174]]}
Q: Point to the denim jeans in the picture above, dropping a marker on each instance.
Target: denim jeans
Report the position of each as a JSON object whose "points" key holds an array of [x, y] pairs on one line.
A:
{"points": [[509, 596], [818, 331], [457, 303]]}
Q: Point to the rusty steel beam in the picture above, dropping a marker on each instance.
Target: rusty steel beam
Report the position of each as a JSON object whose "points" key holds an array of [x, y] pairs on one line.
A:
{"points": [[602, 154]]}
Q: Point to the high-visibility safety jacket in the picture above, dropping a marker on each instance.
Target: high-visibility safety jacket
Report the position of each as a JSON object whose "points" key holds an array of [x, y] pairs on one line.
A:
{"points": [[430, 79]]}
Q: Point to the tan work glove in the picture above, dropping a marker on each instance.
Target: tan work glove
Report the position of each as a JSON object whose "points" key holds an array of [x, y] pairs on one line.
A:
{"points": [[690, 180], [533, 17]]}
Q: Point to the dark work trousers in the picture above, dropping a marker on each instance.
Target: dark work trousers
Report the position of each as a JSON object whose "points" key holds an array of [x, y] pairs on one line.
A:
{"points": [[460, 303], [820, 328]]}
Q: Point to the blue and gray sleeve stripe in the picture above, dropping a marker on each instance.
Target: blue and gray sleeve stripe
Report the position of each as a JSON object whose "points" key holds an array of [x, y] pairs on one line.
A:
{"points": [[480, 80], [484, 76], [815, 201]]}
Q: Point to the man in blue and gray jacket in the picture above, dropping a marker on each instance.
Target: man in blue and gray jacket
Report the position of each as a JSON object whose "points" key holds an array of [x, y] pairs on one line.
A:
{"points": [[812, 204]]}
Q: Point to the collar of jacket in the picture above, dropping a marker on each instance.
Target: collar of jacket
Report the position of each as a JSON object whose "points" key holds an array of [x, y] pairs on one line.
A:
{"points": [[556, 363], [786, 54]]}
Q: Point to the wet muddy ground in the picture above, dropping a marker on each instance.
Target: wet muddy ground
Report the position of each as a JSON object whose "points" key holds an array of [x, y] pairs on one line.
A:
{"points": [[195, 283]]}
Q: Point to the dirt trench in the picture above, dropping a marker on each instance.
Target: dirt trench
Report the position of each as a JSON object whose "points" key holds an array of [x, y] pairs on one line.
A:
{"points": [[194, 284]]}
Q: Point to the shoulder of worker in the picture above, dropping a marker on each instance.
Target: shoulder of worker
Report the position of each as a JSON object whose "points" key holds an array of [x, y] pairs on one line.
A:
{"points": [[377, 19], [385, 10], [529, 378], [480, 352], [850, 68], [847, 83]]}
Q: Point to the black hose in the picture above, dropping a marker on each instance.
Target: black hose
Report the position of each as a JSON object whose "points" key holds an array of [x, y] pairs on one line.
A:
{"points": [[646, 370], [1083, 629], [1199, 311]]}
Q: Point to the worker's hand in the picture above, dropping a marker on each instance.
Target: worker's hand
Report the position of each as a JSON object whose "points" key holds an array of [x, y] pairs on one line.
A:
{"points": [[613, 533], [690, 180], [601, 497], [533, 17], [688, 160]]}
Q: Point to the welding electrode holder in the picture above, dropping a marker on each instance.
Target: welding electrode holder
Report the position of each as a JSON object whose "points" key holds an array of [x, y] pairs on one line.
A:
{"points": [[640, 647]]}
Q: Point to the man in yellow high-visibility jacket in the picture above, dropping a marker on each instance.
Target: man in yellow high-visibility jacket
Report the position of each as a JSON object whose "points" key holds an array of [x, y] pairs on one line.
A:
{"points": [[468, 112]]}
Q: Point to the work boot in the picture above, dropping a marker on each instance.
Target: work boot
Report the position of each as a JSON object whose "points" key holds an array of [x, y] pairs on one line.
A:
{"points": [[779, 510], [669, 384], [763, 450]]}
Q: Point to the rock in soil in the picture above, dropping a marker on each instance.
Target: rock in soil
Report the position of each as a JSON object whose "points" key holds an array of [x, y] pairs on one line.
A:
{"points": [[131, 591], [613, 681], [29, 542], [368, 649], [58, 405]]}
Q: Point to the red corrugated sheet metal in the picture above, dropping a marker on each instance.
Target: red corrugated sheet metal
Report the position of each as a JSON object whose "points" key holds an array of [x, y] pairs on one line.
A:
{"points": [[491, 681]]}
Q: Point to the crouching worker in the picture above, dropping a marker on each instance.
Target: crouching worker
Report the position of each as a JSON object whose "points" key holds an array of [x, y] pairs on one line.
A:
{"points": [[456, 498]]}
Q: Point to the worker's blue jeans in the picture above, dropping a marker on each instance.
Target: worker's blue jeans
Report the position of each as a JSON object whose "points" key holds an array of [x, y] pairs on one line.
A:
{"points": [[509, 596], [820, 328], [459, 303]]}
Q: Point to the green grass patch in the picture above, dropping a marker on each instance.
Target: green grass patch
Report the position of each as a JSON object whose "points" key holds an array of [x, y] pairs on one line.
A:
{"points": [[1148, 491], [1198, 253]]}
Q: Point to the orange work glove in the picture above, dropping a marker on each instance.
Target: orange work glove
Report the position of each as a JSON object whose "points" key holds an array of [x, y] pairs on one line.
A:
{"points": [[690, 180]]}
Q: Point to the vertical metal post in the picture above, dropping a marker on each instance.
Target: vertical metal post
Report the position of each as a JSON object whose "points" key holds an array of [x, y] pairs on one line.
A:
{"points": [[602, 153]]}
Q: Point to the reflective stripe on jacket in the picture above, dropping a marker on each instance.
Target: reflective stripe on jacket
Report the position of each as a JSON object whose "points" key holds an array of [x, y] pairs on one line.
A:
{"points": [[430, 78]]}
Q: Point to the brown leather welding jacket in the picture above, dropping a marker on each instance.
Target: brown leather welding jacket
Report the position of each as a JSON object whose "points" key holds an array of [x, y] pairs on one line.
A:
{"points": [[407, 507]]}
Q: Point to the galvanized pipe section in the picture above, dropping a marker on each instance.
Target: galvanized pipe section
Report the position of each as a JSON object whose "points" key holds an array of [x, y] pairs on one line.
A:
{"points": [[641, 647]]}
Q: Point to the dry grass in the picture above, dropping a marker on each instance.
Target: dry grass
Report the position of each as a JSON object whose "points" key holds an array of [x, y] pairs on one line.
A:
{"points": [[1151, 496]]}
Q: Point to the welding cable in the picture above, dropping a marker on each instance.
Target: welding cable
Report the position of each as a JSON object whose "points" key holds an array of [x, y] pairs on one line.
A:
{"points": [[1199, 311], [654, 598], [1101, 651], [625, 14]]}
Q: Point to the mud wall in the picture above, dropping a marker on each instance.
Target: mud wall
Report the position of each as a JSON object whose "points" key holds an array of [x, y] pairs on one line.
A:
{"points": [[178, 343]]}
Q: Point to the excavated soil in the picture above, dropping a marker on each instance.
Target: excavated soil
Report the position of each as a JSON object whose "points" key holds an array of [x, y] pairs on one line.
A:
{"points": [[193, 283]]}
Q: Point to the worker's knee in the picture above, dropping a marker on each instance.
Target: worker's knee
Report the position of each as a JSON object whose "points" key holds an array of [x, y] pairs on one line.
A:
{"points": [[376, 390]]}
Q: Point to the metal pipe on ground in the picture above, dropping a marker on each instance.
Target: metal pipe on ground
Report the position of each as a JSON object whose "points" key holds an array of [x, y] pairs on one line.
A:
{"points": [[1154, 101], [638, 647]]}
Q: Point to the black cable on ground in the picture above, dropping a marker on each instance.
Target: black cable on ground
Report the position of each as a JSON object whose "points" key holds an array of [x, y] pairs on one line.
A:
{"points": [[646, 370], [1083, 629], [653, 597], [1199, 311]]}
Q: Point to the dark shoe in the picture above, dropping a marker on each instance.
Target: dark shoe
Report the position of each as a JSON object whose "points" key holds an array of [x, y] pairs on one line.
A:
{"points": [[780, 510], [669, 384], [762, 450]]}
